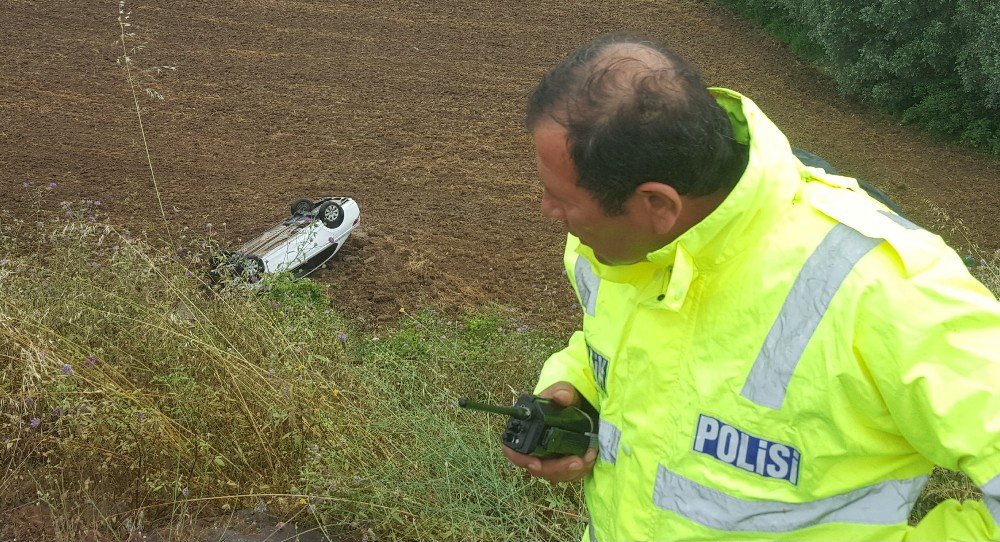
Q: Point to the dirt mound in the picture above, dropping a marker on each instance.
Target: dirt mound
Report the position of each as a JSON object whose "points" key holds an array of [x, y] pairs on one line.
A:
{"points": [[412, 108]]}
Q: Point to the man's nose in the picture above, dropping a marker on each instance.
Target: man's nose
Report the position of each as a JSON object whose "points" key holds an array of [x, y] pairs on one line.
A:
{"points": [[550, 210]]}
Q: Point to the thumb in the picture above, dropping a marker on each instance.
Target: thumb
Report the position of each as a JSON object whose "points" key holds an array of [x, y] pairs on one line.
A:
{"points": [[562, 393], [564, 397]]}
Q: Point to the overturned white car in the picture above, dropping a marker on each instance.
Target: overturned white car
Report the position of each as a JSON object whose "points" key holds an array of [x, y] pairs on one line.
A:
{"points": [[302, 243]]}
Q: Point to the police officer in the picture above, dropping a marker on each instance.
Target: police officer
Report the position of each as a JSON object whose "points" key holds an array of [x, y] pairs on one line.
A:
{"points": [[774, 354]]}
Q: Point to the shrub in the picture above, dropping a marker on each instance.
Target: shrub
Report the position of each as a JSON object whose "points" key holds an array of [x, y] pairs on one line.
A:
{"points": [[934, 63]]}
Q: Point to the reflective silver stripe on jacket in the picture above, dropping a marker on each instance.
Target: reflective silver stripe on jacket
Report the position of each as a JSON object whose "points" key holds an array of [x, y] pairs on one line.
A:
{"points": [[991, 497], [885, 503], [609, 435], [587, 284], [902, 221], [807, 301], [590, 531]]}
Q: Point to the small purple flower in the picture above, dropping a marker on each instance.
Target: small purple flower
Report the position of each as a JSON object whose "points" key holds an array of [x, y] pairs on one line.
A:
{"points": [[342, 336], [140, 415], [57, 413], [25, 184], [523, 328], [29, 402], [181, 250], [307, 220], [254, 279], [286, 391], [35, 422], [92, 218], [52, 184], [67, 369], [185, 493], [188, 274], [69, 213], [274, 305], [270, 373], [92, 359], [90, 202], [97, 202]]}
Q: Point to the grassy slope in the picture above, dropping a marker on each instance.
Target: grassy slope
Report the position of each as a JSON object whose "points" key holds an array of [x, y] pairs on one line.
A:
{"points": [[132, 396]]}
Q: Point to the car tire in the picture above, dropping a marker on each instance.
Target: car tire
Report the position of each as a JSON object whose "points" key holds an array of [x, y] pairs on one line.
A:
{"points": [[302, 206], [249, 267], [331, 213], [221, 258]]}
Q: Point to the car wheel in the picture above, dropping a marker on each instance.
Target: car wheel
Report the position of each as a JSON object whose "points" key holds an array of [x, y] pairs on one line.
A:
{"points": [[250, 267], [221, 258], [331, 214], [302, 206]]}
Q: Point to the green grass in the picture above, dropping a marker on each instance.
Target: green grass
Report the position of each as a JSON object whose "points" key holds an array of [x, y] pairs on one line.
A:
{"points": [[944, 484], [156, 402]]}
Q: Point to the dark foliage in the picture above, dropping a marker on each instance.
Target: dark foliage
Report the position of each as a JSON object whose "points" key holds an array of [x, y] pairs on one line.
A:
{"points": [[934, 63]]}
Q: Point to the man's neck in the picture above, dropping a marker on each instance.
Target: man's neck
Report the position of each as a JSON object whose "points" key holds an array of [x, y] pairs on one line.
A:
{"points": [[695, 209], [698, 208]]}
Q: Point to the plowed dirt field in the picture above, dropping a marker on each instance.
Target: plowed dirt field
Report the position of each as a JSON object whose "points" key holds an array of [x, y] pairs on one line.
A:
{"points": [[412, 108]]}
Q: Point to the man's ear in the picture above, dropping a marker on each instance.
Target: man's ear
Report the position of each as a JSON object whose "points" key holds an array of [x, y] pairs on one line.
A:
{"points": [[661, 204]]}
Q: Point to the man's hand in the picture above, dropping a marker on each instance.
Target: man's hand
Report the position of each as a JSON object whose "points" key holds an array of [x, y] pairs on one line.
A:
{"points": [[556, 469]]}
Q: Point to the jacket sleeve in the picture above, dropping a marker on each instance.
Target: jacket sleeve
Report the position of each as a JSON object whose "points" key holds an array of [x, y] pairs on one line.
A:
{"points": [[931, 342], [571, 364]]}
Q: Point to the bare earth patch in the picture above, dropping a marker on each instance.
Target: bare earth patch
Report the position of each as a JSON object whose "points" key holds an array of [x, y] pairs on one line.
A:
{"points": [[413, 108]]}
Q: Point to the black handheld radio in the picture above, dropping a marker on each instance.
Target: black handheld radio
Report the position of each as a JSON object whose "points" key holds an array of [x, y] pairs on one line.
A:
{"points": [[542, 428]]}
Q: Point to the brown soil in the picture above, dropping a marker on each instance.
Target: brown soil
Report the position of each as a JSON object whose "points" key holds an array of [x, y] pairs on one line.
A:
{"points": [[414, 108]]}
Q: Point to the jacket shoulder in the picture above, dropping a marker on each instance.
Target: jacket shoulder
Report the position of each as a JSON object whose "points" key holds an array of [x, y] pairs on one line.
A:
{"points": [[840, 199]]}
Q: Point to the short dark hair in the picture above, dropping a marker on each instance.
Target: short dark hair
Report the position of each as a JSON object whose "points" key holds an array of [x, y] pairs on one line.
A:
{"points": [[634, 112]]}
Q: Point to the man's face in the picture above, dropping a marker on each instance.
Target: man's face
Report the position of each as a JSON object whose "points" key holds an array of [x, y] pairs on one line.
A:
{"points": [[615, 240]]}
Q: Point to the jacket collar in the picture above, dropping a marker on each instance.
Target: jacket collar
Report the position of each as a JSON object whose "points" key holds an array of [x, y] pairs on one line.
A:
{"points": [[755, 205]]}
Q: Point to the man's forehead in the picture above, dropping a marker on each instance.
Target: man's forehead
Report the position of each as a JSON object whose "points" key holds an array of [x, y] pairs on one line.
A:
{"points": [[552, 145], [549, 126], [551, 136]]}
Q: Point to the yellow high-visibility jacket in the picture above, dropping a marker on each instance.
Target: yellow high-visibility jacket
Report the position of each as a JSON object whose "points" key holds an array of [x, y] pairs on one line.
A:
{"points": [[791, 368]]}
